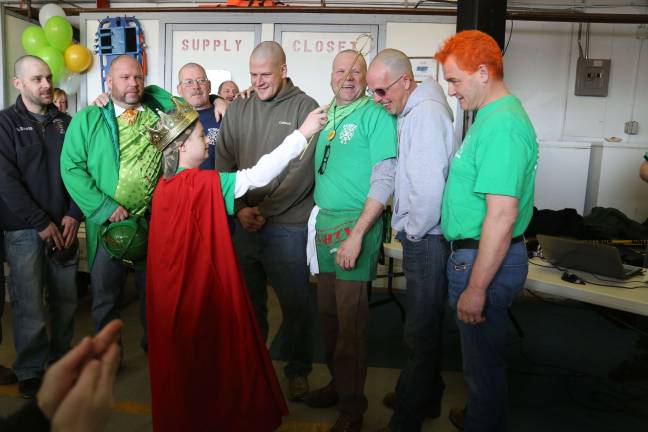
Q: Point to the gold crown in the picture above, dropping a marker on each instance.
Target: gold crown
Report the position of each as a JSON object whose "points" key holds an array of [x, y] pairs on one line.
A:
{"points": [[173, 124]]}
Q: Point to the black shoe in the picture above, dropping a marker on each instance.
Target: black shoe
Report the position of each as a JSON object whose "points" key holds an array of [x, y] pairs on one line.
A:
{"points": [[7, 376], [431, 412], [324, 397], [29, 387]]}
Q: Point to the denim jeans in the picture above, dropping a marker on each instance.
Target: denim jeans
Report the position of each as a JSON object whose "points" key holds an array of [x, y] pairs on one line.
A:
{"points": [[420, 387], [278, 253], [32, 272], [483, 346], [107, 280]]}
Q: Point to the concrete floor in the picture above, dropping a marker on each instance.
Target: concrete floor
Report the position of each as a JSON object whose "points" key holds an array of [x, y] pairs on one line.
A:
{"points": [[132, 395]]}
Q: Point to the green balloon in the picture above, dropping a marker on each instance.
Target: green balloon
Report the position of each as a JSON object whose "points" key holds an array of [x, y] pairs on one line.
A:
{"points": [[33, 39], [58, 32], [54, 60]]}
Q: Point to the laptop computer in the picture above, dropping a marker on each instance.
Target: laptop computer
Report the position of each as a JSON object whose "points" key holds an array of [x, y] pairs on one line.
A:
{"points": [[590, 257]]}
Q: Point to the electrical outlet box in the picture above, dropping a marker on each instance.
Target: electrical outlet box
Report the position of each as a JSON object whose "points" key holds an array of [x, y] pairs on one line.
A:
{"points": [[592, 77], [631, 127]]}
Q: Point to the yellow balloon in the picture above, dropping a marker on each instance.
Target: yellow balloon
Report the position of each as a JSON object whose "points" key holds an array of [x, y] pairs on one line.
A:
{"points": [[77, 58]]}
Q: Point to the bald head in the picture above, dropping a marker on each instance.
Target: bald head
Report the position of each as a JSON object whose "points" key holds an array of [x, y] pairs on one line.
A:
{"points": [[33, 80], [268, 70], [394, 61], [391, 80], [269, 51], [194, 66], [359, 60], [124, 61], [125, 81], [25, 63], [348, 77]]}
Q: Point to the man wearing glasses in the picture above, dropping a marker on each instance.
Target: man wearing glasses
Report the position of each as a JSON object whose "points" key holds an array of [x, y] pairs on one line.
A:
{"points": [[195, 87], [425, 146], [354, 170], [270, 234]]}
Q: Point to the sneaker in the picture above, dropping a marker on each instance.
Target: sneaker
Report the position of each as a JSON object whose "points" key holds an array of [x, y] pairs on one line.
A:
{"points": [[7, 376], [390, 402], [297, 387], [456, 417], [324, 397], [29, 387], [345, 423]]}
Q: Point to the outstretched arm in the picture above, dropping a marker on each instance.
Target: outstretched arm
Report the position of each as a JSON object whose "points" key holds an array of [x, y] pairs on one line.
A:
{"points": [[273, 163]]}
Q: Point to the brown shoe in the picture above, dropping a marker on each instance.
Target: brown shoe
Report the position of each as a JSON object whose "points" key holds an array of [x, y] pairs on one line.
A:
{"points": [[390, 402], [7, 376], [324, 397], [345, 423], [297, 387], [456, 417]]}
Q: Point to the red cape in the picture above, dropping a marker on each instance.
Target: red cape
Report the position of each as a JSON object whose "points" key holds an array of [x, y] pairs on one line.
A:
{"points": [[209, 366]]}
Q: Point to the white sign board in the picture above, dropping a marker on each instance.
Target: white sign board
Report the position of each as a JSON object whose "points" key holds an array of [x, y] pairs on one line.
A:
{"points": [[224, 55]]}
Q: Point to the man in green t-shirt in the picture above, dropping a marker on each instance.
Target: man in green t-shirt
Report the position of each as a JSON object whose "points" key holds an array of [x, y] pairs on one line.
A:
{"points": [[487, 205], [354, 170]]}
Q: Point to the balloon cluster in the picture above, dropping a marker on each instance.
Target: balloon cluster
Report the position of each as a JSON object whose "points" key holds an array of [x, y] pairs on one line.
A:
{"points": [[52, 42]]}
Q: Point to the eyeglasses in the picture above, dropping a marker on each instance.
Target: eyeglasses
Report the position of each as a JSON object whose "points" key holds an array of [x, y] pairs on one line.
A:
{"points": [[327, 152], [189, 82], [382, 92]]}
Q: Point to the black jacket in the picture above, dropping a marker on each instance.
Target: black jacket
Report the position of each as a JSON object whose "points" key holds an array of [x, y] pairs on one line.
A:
{"points": [[32, 193]]}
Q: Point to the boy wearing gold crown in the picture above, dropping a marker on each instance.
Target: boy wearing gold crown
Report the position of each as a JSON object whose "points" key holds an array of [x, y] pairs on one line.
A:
{"points": [[208, 363]]}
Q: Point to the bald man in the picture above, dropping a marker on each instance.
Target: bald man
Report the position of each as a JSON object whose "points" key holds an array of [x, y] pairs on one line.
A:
{"points": [[425, 146], [111, 169], [270, 233], [39, 221]]}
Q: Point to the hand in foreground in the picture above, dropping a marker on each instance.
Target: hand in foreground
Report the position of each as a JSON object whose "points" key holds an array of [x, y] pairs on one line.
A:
{"points": [[251, 219], [470, 306], [53, 234], [70, 230], [348, 252], [101, 100], [119, 214], [69, 377], [220, 106], [245, 94], [315, 121]]}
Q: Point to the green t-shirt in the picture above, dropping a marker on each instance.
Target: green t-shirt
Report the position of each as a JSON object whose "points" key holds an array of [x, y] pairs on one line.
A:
{"points": [[362, 139], [499, 156], [228, 182]]}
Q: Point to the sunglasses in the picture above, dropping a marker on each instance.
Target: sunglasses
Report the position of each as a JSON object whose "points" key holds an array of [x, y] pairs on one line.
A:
{"points": [[190, 82], [327, 152], [382, 92]]}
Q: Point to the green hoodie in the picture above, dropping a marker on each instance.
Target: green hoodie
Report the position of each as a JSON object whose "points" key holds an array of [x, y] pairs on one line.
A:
{"points": [[90, 161], [252, 128]]}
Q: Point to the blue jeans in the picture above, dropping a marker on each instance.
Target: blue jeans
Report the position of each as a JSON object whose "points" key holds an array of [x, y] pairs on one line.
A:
{"points": [[420, 387], [107, 280], [484, 345], [278, 253], [32, 272]]}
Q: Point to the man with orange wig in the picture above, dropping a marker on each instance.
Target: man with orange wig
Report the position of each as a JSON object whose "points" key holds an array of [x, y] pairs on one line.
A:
{"points": [[487, 205]]}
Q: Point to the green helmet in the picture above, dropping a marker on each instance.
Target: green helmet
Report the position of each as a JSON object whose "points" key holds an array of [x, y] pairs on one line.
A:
{"points": [[126, 240]]}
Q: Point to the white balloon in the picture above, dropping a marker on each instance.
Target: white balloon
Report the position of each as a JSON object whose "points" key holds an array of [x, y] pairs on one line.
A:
{"points": [[69, 82], [48, 11]]}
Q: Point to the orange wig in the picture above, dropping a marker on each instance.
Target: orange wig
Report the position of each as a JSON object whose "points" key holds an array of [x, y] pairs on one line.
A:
{"points": [[471, 48]]}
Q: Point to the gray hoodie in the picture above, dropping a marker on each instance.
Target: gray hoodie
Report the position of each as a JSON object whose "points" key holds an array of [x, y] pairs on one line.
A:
{"points": [[425, 146]]}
